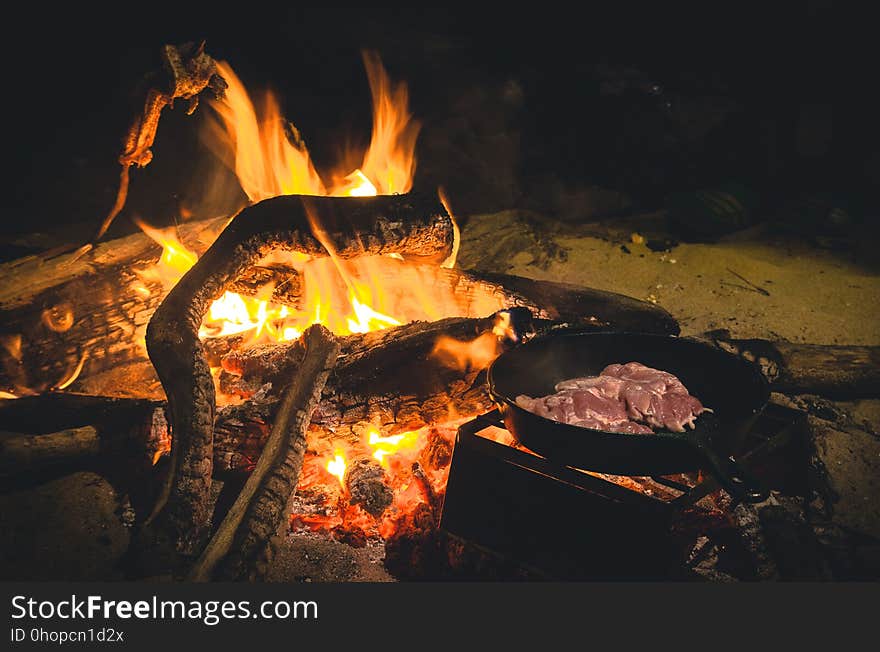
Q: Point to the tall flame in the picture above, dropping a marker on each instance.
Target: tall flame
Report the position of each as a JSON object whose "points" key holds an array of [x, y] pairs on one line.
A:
{"points": [[390, 161], [271, 158]]}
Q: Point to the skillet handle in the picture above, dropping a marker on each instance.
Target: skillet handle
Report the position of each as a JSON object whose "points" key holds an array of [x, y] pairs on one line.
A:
{"points": [[732, 476]]}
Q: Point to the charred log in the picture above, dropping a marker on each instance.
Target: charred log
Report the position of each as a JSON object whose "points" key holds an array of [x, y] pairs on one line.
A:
{"points": [[842, 372], [366, 484], [24, 454], [58, 311], [587, 306], [60, 410], [186, 72], [130, 439]]}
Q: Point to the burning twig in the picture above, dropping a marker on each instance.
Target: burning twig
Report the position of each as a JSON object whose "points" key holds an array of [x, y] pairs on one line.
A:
{"points": [[187, 72], [262, 507]]}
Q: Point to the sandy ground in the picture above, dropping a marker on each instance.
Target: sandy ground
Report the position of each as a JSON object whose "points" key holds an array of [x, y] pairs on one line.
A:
{"points": [[814, 295]]}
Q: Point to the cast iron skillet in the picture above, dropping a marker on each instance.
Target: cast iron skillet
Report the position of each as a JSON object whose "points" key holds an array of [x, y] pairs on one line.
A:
{"points": [[735, 389]]}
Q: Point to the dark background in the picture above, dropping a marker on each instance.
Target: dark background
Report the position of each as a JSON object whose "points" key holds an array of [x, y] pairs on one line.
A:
{"points": [[521, 107]]}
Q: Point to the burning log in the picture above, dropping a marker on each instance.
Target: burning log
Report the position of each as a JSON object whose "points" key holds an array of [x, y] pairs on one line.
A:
{"points": [[262, 508], [434, 501], [388, 378], [56, 311], [108, 304], [407, 225]]}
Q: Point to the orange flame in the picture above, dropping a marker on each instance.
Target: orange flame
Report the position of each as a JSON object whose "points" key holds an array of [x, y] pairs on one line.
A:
{"points": [[356, 185], [478, 353], [390, 161], [351, 296], [174, 262], [337, 466], [475, 354], [271, 159], [385, 446], [268, 163]]}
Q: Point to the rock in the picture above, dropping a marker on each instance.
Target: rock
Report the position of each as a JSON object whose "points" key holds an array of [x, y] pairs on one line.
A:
{"points": [[851, 459], [69, 528]]}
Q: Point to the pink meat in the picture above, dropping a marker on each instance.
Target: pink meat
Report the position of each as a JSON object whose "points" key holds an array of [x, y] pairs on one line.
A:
{"points": [[627, 398]]}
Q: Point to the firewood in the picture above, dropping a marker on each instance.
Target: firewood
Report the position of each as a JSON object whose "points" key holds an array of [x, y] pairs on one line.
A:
{"points": [[106, 303], [133, 434], [109, 310], [388, 378], [25, 454], [262, 508], [841, 372], [410, 225], [56, 411], [186, 72]]}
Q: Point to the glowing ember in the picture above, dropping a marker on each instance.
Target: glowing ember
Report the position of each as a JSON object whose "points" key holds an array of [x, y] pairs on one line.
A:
{"points": [[337, 466], [415, 473]]}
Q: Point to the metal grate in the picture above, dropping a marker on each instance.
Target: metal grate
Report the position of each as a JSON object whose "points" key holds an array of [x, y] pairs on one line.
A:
{"points": [[571, 524]]}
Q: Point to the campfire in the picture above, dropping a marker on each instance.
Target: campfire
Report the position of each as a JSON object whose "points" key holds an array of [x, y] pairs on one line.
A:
{"points": [[321, 342]]}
